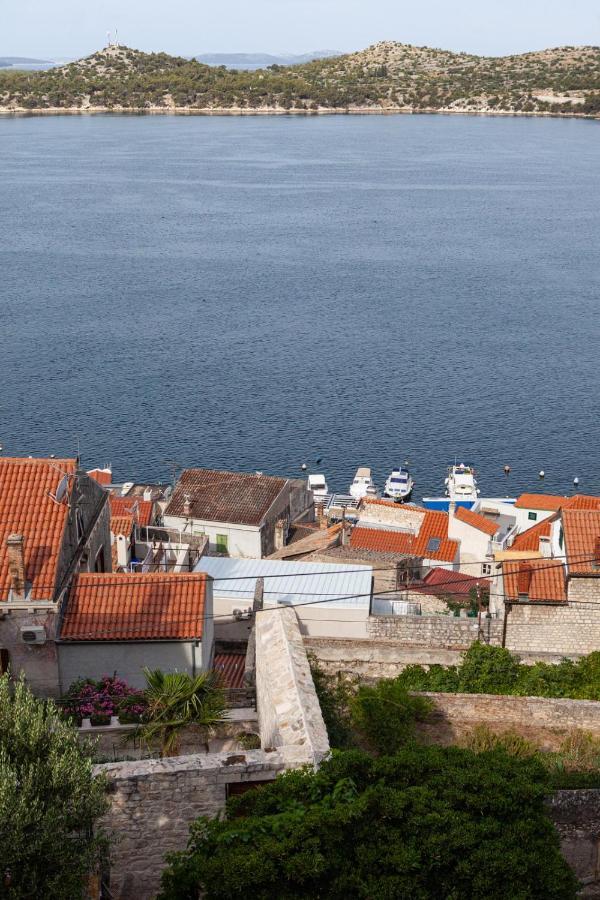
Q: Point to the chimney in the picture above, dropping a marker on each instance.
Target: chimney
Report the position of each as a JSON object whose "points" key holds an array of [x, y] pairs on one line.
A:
{"points": [[524, 581], [452, 508], [15, 545], [123, 551], [259, 592], [279, 534], [187, 505], [319, 513]]}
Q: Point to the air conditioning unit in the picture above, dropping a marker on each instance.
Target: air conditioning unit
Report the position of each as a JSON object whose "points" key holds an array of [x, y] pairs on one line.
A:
{"points": [[33, 634], [242, 613]]}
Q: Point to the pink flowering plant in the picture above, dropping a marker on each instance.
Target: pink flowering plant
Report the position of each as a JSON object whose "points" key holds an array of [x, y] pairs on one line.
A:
{"points": [[99, 700]]}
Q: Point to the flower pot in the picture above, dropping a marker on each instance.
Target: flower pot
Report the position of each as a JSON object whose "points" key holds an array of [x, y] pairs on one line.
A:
{"points": [[99, 720]]}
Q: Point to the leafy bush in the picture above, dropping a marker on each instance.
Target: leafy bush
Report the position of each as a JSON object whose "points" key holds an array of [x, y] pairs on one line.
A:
{"points": [[488, 670], [50, 801], [334, 699], [99, 700], [385, 714], [427, 823]]}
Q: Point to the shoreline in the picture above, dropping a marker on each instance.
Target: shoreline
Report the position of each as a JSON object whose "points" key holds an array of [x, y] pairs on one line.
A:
{"points": [[22, 112]]}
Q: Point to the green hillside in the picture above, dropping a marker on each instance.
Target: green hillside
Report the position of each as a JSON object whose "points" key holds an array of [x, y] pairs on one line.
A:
{"points": [[385, 76]]}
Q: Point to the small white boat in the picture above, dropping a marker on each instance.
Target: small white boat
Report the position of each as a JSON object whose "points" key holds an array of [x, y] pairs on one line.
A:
{"points": [[461, 484], [318, 486], [399, 485], [363, 485]]}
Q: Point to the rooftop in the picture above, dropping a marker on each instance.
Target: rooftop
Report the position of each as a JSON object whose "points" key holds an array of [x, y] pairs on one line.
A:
{"points": [[121, 525], [289, 583], [445, 582], [140, 607], [544, 502], [27, 507], [141, 510], [475, 520], [230, 497], [581, 528], [530, 539], [431, 542], [547, 582], [102, 476]]}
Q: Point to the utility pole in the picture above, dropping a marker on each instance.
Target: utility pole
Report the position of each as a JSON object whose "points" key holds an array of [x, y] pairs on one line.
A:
{"points": [[507, 609]]}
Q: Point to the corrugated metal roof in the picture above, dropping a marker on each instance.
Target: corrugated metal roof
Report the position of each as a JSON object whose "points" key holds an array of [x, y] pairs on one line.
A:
{"points": [[289, 582]]}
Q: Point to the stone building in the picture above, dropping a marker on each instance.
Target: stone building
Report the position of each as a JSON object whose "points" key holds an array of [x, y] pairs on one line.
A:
{"points": [[54, 522]]}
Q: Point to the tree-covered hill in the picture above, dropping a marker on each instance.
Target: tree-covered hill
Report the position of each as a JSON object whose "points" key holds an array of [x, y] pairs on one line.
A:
{"points": [[387, 76]]}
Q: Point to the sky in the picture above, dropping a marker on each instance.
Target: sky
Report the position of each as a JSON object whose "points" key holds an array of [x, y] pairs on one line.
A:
{"points": [[58, 29]]}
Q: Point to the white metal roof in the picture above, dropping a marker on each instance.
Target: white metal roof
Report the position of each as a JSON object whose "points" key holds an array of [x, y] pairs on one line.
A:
{"points": [[289, 582]]}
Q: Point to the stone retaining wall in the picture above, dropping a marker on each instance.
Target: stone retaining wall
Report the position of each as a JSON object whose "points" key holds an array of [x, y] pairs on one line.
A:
{"points": [[568, 630], [576, 816], [434, 632], [543, 720], [374, 659]]}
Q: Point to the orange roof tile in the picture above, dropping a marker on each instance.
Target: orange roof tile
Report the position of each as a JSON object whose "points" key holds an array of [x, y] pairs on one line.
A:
{"points": [[549, 502], [27, 508], [376, 501], [102, 476], [530, 539], [476, 520], [132, 607], [233, 497], [583, 501], [581, 529], [548, 581], [433, 526], [121, 525], [141, 510], [231, 667]]}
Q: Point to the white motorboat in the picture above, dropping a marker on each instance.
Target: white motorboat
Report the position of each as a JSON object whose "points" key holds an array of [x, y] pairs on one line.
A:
{"points": [[318, 486], [363, 485], [399, 485], [461, 485]]}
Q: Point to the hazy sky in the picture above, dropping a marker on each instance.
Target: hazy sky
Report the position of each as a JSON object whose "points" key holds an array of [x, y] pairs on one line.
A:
{"points": [[71, 28]]}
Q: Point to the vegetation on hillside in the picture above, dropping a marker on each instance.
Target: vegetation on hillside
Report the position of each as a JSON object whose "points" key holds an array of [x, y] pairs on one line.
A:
{"points": [[388, 75], [50, 801]]}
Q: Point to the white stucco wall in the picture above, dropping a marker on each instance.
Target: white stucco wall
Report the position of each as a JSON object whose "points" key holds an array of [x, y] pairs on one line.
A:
{"points": [[523, 520], [242, 540], [474, 546]]}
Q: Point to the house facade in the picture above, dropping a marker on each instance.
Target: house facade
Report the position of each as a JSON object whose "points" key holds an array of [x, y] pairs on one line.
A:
{"points": [[54, 523], [242, 515]]}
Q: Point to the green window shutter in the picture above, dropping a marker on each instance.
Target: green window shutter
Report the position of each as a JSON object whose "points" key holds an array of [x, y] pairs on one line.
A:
{"points": [[222, 543]]}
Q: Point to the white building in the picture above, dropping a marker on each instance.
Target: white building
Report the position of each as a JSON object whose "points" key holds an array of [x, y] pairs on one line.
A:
{"points": [[331, 599], [242, 515]]}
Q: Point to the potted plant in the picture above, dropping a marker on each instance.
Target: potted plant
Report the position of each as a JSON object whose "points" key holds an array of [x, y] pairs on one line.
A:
{"points": [[131, 709]]}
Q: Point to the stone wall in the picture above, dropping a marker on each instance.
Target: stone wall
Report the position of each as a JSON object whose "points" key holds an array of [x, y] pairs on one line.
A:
{"points": [[154, 801], [576, 816], [543, 720], [568, 630], [434, 632], [370, 659], [288, 708]]}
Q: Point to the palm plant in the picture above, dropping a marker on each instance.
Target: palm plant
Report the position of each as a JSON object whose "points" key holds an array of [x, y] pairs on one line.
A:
{"points": [[177, 700]]}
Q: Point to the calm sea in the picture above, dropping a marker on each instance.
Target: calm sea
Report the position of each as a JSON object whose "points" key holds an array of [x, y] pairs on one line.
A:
{"points": [[255, 293]]}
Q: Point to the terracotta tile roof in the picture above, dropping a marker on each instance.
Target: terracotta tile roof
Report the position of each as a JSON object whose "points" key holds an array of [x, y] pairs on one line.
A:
{"points": [[548, 581], [231, 666], [583, 501], [445, 582], [141, 510], [375, 501], [26, 508], [236, 497], [433, 527], [581, 528], [126, 607], [102, 476], [530, 539], [475, 520], [121, 525], [549, 502]]}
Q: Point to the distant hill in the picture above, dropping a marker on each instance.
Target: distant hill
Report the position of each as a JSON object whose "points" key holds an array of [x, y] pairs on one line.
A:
{"points": [[386, 77], [26, 62], [252, 61]]}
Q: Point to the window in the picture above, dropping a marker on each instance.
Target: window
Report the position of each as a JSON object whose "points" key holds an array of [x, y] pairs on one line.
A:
{"points": [[561, 538], [532, 516], [486, 569], [99, 565], [79, 524], [221, 543], [433, 544], [4, 660]]}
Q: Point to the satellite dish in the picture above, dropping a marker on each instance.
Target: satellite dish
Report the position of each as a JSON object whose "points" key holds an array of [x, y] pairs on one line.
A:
{"points": [[61, 490]]}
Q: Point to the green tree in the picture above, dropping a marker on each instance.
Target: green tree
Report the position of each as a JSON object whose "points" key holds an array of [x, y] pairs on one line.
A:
{"points": [[50, 800], [385, 714], [177, 700], [430, 824]]}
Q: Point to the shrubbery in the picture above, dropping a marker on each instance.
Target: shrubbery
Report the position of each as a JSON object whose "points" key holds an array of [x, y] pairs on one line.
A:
{"points": [[426, 823], [99, 700], [493, 670]]}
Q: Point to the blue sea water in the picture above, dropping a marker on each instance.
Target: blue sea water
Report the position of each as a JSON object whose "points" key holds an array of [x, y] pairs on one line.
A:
{"points": [[255, 293]]}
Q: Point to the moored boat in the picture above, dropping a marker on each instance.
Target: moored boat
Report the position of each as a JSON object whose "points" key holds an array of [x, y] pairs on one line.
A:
{"points": [[399, 485], [363, 485], [318, 486]]}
